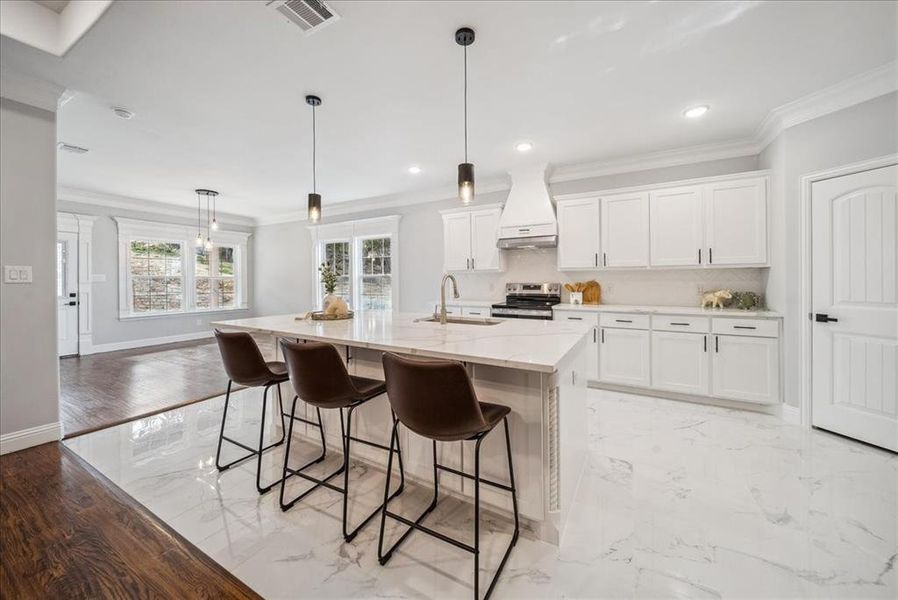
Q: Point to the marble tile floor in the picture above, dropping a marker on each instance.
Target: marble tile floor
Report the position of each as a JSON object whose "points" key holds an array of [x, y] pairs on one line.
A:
{"points": [[678, 500]]}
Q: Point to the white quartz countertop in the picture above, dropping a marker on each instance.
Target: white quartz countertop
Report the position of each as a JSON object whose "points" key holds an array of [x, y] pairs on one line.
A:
{"points": [[670, 310], [515, 343]]}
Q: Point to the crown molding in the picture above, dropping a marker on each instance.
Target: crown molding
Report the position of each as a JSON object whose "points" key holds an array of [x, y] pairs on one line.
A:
{"points": [[375, 203], [115, 201], [29, 90], [655, 160], [854, 90]]}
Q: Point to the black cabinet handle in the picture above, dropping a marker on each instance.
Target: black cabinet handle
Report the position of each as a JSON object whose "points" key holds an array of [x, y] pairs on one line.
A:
{"points": [[680, 324], [710, 256], [603, 336], [706, 343], [575, 318], [622, 321], [825, 318], [604, 259], [594, 335], [472, 264], [597, 259], [699, 256], [716, 343], [744, 327]]}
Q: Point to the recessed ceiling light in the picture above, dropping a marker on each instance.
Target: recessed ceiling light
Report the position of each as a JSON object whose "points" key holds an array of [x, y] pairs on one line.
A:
{"points": [[696, 111], [414, 169], [523, 146], [122, 113]]}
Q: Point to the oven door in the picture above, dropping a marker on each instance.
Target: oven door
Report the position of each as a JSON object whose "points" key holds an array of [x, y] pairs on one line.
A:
{"points": [[507, 312]]}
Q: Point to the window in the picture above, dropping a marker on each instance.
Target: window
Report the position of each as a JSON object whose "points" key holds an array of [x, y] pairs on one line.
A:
{"points": [[162, 272], [338, 256], [214, 284], [363, 254], [156, 277], [376, 287]]}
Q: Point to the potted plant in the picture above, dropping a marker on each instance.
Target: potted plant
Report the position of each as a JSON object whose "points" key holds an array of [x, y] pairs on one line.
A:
{"points": [[329, 281]]}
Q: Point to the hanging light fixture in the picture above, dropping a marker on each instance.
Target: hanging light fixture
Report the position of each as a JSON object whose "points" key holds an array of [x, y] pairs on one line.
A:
{"points": [[314, 197], [465, 37], [199, 227], [211, 224], [214, 220]]}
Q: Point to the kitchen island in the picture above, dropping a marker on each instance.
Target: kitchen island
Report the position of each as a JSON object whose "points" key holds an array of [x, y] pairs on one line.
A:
{"points": [[537, 368]]}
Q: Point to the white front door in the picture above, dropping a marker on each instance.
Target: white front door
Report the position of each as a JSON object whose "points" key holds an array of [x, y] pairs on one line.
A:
{"points": [[855, 307], [67, 292]]}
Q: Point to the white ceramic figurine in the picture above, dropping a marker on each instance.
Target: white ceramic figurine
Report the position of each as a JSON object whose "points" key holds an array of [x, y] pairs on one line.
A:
{"points": [[715, 299]]}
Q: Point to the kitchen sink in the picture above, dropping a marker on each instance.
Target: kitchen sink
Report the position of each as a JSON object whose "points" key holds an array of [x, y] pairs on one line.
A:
{"points": [[459, 320]]}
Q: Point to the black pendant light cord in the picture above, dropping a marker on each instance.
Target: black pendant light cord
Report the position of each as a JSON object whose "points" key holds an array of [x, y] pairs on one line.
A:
{"points": [[314, 147], [199, 227], [466, 103]]}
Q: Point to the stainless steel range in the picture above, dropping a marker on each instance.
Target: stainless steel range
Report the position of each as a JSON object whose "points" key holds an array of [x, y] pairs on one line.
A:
{"points": [[528, 301]]}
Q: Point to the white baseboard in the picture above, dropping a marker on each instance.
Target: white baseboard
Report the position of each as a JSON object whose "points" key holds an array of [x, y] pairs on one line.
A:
{"points": [[791, 414], [26, 438], [129, 344]]}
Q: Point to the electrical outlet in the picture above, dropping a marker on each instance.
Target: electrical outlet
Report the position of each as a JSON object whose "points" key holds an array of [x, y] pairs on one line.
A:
{"points": [[16, 274]]}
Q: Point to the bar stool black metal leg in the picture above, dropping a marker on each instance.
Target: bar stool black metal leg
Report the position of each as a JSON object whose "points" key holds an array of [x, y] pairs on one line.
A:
{"points": [[259, 487], [224, 418], [477, 518], [288, 472], [514, 489]]}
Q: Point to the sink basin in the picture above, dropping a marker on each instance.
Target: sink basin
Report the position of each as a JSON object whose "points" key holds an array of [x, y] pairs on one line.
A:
{"points": [[460, 320]]}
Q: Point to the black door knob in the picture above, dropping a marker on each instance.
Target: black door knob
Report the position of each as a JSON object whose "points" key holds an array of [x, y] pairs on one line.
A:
{"points": [[824, 318]]}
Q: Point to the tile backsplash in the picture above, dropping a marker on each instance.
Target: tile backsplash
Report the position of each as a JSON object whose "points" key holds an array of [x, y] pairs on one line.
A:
{"points": [[668, 287]]}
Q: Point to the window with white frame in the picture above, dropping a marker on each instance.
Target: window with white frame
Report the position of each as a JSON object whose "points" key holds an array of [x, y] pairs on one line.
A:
{"points": [[162, 272], [364, 255]]}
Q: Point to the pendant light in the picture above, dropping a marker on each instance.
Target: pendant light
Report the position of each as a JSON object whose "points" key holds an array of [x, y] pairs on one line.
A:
{"points": [[314, 197], [211, 224], [465, 37], [199, 236], [214, 225]]}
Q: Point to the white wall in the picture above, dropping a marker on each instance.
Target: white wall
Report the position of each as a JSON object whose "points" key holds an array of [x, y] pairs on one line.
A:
{"points": [[863, 131], [29, 371], [108, 328], [284, 269]]}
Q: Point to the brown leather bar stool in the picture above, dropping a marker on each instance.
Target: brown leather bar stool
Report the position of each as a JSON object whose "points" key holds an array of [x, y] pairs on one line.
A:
{"points": [[245, 365], [320, 379], [435, 399]]}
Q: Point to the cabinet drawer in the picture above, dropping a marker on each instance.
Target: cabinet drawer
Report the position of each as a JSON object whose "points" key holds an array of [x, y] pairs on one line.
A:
{"points": [[475, 311], [751, 327], [577, 316], [624, 320], [675, 323], [451, 309]]}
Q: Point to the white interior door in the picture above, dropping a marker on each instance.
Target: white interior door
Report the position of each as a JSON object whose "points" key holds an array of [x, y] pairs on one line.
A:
{"points": [[67, 292], [855, 333]]}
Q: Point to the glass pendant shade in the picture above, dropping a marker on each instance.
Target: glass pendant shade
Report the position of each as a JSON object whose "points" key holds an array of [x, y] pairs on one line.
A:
{"points": [[199, 240], [466, 182], [214, 225], [314, 207]]}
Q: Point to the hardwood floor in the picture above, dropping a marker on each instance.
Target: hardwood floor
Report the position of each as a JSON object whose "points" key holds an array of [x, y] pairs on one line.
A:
{"points": [[100, 390], [66, 532]]}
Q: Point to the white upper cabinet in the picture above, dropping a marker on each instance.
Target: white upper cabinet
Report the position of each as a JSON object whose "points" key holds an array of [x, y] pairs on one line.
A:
{"points": [[625, 230], [676, 226], [484, 232], [457, 241], [578, 234], [469, 240], [736, 222]]}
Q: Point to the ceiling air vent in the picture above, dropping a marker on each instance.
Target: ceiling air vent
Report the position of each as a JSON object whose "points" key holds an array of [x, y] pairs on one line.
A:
{"points": [[310, 15]]}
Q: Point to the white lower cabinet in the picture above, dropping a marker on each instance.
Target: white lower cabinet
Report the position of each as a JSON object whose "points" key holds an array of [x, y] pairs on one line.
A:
{"points": [[475, 311], [680, 362], [624, 356], [745, 368], [591, 319]]}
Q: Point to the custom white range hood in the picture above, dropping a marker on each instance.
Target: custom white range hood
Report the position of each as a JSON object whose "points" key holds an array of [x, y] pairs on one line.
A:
{"points": [[528, 219]]}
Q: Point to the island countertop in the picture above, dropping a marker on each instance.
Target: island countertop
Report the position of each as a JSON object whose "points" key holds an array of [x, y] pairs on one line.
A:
{"points": [[515, 343]]}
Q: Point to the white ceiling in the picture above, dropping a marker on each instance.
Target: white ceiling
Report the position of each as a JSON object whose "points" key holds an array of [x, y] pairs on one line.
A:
{"points": [[217, 89]]}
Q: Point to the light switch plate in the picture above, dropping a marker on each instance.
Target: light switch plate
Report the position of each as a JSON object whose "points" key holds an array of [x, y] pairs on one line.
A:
{"points": [[16, 274]]}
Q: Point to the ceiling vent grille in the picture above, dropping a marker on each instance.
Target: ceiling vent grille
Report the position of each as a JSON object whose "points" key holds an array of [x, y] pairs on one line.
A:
{"points": [[310, 15]]}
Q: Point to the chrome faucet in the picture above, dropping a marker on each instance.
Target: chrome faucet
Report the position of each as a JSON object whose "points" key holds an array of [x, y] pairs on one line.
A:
{"points": [[451, 278]]}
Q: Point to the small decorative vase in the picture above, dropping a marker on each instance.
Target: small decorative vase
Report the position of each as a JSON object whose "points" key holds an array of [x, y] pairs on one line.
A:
{"points": [[327, 300]]}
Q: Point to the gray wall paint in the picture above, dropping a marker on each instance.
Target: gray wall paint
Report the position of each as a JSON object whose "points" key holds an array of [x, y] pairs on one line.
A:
{"points": [[29, 370], [107, 327], [285, 285], [861, 132]]}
